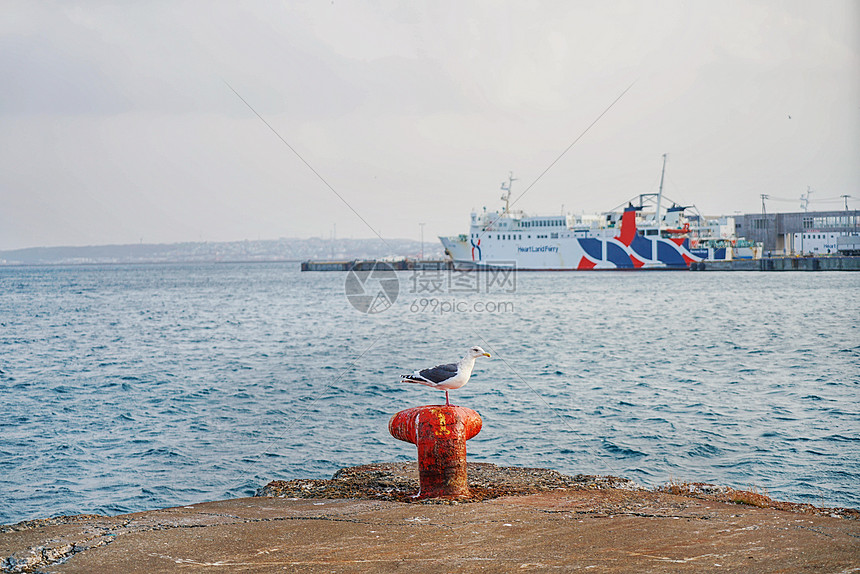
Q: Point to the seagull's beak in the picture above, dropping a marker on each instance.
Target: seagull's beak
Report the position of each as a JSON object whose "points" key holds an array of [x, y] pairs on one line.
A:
{"points": [[486, 354]]}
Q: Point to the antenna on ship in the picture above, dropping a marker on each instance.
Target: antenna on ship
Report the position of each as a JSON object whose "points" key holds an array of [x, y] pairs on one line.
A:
{"points": [[507, 189], [660, 196]]}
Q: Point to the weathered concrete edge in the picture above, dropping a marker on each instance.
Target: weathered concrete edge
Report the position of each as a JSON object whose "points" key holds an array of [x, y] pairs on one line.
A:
{"points": [[559, 481], [97, 530]]}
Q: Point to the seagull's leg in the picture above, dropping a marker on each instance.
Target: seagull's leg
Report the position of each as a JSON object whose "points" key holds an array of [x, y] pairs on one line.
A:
{"points": [[447, 404]]}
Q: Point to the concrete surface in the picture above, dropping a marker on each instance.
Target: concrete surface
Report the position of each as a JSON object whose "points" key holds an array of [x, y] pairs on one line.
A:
{"points": [[555, 531]]}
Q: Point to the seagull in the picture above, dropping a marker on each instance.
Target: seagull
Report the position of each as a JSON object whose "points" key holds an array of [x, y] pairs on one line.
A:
{"points": [[447, 377]]}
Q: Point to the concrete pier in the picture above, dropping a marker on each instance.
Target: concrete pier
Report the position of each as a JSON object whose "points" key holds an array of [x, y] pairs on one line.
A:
{"points": [[591, 525], [830, 263], [369, 264]]}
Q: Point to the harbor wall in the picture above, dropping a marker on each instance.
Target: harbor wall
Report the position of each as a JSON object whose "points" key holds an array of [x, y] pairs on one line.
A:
{"points": [[368, 265], [831, 263]]}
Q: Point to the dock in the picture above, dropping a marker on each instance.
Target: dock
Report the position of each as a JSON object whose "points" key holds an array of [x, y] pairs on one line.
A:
{"points": [[829, 263], [369, 264], [824, 263]]}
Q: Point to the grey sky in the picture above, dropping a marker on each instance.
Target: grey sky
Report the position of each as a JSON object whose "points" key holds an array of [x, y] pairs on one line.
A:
{"points": [[116, 125]]}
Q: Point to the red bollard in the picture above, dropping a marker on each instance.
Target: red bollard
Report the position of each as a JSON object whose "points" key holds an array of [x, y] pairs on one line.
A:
{"points": [[440, 432]]}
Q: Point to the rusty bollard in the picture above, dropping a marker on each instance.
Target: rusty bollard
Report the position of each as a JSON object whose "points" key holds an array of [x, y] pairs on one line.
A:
{"points": [[440, 432]]}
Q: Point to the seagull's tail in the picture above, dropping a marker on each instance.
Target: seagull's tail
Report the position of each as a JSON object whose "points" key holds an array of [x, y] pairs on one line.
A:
{"points": [[409, 379]]}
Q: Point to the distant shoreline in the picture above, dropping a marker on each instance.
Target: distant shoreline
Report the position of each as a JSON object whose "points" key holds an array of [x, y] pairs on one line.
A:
{"points": [[119, 263], [246, 251]]}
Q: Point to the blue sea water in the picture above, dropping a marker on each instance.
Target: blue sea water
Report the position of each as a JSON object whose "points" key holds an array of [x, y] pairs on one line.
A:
{"points": [[136, 387]]}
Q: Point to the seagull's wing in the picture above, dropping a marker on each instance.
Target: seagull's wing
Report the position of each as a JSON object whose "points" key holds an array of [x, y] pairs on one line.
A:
{"points": [[434, 375], [439, 373]]}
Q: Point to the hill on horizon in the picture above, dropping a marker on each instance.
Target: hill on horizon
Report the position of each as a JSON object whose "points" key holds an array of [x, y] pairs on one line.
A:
{"points": [[205, 251]]}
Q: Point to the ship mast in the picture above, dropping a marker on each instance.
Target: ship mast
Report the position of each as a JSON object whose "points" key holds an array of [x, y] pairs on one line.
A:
{"points": [[507, 189], [660, 196], [657, 214]]}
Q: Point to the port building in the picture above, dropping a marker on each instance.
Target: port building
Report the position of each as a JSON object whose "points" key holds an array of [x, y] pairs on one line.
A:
{"points": [[800, 233]]}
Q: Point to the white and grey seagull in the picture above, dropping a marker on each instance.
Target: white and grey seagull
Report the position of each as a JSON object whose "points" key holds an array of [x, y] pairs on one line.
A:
{"points": [[447, 377]]}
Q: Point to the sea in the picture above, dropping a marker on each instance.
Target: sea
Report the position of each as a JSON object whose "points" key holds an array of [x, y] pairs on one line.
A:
{"points": [[134, 387]]}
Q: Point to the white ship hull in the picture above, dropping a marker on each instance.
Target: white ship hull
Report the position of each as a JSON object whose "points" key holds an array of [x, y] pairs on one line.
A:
{"points": [[569, 249], [566, 253], [634, 239]]}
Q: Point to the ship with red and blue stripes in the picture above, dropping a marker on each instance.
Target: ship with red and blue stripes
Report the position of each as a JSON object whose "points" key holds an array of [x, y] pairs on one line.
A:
{"points": [[642, 234]]}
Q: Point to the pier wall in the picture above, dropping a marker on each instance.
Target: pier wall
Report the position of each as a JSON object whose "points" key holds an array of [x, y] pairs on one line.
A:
{"points": [[368, 264], [833, 263], [829, 263]]}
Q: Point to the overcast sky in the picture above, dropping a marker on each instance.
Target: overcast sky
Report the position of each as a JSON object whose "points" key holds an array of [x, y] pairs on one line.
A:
{"points": [[117, 126]]}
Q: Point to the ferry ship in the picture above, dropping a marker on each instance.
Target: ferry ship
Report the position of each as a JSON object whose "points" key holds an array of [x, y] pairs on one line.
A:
{"points": [[642, 235]]}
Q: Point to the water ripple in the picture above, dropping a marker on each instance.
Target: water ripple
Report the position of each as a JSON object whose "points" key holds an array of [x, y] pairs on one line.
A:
{"points": [[135, 387]]}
